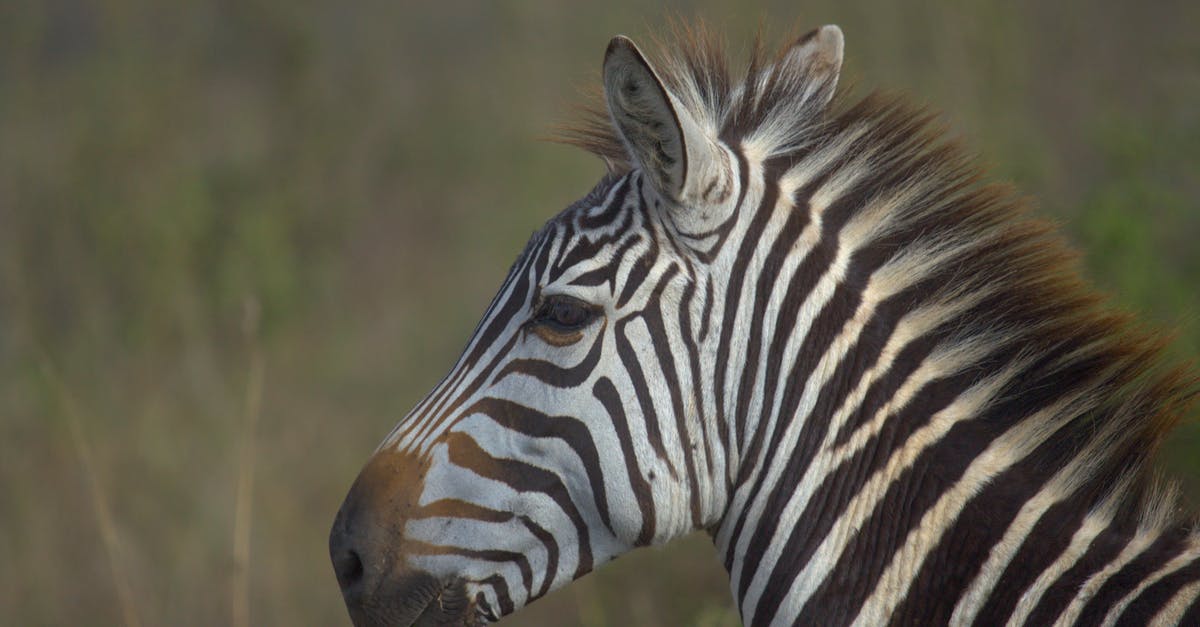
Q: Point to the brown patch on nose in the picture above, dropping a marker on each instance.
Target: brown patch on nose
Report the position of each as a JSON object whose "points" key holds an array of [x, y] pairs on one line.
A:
{"points": [[368, 549], [366, 542], [387, 489]]}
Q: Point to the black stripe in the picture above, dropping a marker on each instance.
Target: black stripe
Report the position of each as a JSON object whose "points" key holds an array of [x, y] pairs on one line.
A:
{"points": [[500, 586], [454, 508], [706, 315], [1151, 601], [638, 273], [781, 248], [653, 317], [615, 199], [607, 273], [584, 249], [606, 393], [517, 298], [569, 429], [919, 486], [1046, 542], [522, 477], [839, 489], [501, 355], [733, 291], [536, 258], [553, 374], [692, 353], [548, 541], [1162, 550], [807, 275], [962, 549], [1192, 615], [641, 390], [488, 555], [1104, 548]]}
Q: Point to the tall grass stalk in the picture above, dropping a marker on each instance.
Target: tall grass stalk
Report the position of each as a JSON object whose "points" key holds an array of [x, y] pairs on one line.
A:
{"points": [[243, 517], [104, 517]]}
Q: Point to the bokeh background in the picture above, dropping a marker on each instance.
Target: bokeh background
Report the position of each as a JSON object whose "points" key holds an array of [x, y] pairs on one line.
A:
{"points": [[240, 238]]}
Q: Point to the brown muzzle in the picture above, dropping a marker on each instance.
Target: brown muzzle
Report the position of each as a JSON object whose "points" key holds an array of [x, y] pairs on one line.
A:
{"points": [[366, 545]]}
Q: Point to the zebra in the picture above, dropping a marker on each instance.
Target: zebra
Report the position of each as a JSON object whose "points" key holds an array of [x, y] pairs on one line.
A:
{"points": [[810, 326]]}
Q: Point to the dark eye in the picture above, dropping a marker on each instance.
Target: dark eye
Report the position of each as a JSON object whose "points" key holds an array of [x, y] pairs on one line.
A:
{"points": [[565, 313]]}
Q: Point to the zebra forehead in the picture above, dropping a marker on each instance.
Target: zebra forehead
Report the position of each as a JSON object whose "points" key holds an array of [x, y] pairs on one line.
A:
{"points": [[600, 230]]}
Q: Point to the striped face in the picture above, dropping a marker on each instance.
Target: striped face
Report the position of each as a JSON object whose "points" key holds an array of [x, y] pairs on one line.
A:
{"points": [[563, 436], [577, 424]]}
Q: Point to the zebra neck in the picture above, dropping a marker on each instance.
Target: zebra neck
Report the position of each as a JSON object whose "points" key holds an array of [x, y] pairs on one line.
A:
{"points": [[896, 466], [911, 393], [1015, 548]]}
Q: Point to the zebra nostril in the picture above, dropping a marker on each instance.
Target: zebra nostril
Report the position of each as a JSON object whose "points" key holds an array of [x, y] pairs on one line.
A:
{"points": [[349, 569]]}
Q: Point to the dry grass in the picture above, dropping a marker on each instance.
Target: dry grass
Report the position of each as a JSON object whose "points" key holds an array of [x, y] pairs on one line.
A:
{"points": [[368, 175], [243, 516], [99, 502]]}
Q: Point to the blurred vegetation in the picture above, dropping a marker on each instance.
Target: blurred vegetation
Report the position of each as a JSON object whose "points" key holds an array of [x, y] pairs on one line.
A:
{"points": [[328, 193]]}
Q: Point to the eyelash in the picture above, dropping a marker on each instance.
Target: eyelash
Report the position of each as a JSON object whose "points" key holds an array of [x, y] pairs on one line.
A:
{"points": [[564, 313]]}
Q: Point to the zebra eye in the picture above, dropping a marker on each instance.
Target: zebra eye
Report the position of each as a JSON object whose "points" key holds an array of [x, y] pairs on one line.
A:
{"points": [[565, 313]]}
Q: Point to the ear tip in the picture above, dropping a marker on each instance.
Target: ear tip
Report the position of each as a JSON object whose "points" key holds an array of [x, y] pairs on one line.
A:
{"points": [[831, 30], [832, 38], [826, 42], [620, 43]]}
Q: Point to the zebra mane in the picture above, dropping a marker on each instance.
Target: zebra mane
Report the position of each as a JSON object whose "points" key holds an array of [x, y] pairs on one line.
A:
{"points": [[1122, 394]]}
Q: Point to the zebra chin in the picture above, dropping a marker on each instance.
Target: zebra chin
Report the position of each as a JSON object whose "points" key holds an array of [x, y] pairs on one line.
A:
{"points": [[416, 599]]}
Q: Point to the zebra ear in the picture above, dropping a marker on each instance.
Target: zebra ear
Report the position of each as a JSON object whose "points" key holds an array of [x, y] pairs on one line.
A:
{"points": [[818, 55], [679, 159]]}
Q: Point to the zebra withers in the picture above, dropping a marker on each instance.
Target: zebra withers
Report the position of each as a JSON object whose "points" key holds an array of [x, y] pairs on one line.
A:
{"points": [[810, 327]]}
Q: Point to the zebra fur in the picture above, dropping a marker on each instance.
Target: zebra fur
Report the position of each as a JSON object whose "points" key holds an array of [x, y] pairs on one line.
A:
{"points": [[813, 328]]}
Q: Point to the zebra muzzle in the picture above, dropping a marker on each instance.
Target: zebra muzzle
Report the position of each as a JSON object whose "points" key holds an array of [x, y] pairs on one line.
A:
{"points": [[365, 545]]}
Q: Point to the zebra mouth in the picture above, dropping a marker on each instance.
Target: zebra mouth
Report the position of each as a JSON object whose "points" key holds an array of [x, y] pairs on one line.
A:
{"points": [[450, 606], [418, 601]]}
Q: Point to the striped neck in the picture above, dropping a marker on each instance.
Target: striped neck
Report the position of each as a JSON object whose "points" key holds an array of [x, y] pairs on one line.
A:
{"points": [[910, 439]]}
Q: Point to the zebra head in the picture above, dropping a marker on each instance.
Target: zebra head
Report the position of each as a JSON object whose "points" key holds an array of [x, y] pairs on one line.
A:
{"points": [[574, 427]]}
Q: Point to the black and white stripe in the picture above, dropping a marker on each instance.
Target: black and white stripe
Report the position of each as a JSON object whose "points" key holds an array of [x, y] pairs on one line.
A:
{"points": [[809, 328]]}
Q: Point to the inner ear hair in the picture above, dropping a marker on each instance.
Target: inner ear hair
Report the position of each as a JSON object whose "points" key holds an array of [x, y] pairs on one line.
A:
{"points": [[646, 118], [680, 159]]}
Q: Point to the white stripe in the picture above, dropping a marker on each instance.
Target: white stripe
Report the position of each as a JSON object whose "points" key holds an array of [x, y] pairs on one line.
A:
{"points": [[1142, 539], [1173, 611], [1181, 560], [1006, 450], [1093, 525]]}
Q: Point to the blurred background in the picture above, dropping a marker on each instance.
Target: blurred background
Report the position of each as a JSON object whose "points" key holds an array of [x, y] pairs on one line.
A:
{"points": [[239, 239]]}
